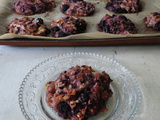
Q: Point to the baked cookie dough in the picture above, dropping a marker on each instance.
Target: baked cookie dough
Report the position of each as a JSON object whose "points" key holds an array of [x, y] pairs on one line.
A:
{"points": [[31, 7], [28, 26], [153, 20], [79, 93], [77, 8], [68, 26], [124, 6], [117, 24]]}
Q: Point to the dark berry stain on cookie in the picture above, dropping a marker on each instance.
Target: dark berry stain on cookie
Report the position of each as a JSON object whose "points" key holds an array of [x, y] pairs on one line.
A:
{"points": [[83, 97], [19, 3], [122, 17], [109, 5], [39, 20], [22, 9], [61, 34], [55, 29], [18, 30], [76, 0], [157, 26], [79, 93], [65, 7]]}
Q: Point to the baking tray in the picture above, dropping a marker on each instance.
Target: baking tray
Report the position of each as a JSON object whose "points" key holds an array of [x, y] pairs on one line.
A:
{"points": [[91, 38], [82, 42]]}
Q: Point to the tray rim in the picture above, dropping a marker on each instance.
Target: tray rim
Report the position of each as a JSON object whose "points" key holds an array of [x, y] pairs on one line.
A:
{"points": [[82, 42]]}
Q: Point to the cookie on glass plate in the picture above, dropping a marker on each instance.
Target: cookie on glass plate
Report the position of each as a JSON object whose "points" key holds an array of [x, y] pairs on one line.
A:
{"points": [[79, 93], [28, 26], [77, 8], [117, 24]]}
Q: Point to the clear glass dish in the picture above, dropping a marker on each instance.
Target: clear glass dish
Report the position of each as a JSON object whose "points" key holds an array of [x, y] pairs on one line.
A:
{"points": [[123, 105]]}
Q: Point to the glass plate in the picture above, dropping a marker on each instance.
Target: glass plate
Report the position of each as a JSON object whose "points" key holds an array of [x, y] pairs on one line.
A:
{"points": [[123, 105]]}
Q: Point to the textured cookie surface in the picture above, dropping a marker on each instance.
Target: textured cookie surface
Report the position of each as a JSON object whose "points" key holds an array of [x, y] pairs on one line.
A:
{"points": [[117, 24], [124, 6], [153, 20], [77, 8], [31, 7], [79, 93], [67, 26], [28, 26]]}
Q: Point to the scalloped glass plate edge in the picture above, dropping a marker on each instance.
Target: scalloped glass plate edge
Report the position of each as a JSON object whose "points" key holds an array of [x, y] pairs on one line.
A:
{"points": [[20, 96]]}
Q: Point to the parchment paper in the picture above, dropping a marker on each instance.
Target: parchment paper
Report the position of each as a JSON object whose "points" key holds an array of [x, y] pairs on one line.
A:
{"points": [[7, 15]]}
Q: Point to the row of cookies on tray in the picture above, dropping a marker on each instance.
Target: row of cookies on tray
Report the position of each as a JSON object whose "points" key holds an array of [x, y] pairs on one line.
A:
{"points": [[74, 7], [115, 24]]}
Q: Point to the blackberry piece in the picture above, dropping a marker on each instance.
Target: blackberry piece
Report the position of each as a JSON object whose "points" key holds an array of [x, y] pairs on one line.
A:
{"points": [[109, 5], [65, 8], [64, 110], [39, 21], [61, 34], [81, 25], [120, 10], [55, 29], [123, 17]]}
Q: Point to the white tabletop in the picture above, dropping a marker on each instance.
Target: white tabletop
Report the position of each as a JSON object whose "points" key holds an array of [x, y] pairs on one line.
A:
{"points": [[142, 61]]}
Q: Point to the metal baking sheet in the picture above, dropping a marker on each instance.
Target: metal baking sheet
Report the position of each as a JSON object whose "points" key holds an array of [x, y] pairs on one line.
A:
{"points": [[90, 37]]}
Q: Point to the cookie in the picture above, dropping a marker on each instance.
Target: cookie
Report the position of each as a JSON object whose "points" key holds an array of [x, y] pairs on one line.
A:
{"points": [[124, 6], [67, 26], [117, 24], [153, 21], [31, 7], [77, 8], [28, 26], [79, 93]]}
